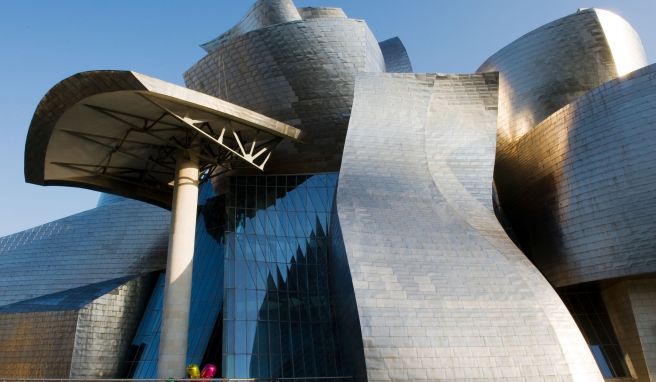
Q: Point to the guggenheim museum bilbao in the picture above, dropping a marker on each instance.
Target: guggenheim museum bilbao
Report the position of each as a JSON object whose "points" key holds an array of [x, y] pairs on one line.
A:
{"points": [[309, 207]]}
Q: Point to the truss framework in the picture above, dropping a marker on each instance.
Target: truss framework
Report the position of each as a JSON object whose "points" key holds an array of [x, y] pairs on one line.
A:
{"points": [[219, 143]]}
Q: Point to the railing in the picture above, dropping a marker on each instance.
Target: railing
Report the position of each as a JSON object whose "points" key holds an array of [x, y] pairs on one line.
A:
{"points": [[312, 379]]}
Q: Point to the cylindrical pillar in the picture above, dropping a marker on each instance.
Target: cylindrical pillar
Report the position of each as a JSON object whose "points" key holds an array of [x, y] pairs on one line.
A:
{"points": [[179, 263]]}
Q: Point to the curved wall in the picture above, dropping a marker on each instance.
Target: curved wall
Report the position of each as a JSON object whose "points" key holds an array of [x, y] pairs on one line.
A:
{"points": [[262, 14], [127, 238], [553, 65], [73, 290], [396, 57], [321, 12], [441, 292], [582, 184], [106, 199], [301, 73], [540, 73]]}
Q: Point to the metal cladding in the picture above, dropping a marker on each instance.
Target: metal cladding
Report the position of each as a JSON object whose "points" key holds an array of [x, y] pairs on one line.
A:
{"points": [[118, 131], [79, 333], [117, 240], [396, 57], [395, 268], [553, 65], [262, 14], [557, 194], [441, 292], [73, 290], [299, 72], [582, 181], [321, 12]]}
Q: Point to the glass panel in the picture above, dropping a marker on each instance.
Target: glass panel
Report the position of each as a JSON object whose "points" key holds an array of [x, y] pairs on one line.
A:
{"points": [[589, 312], [277, 311]]}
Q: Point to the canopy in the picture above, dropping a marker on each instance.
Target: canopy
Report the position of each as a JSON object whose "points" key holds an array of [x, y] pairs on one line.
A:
{"points": [[118, 131]]}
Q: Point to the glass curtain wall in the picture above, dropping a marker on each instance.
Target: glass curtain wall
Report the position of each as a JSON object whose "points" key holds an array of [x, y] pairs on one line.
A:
{"points": [[277, 320], [260, 296], [589, 311]]}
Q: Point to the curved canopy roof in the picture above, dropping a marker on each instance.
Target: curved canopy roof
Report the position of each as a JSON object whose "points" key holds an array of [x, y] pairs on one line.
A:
{"points": [[117, 131]]}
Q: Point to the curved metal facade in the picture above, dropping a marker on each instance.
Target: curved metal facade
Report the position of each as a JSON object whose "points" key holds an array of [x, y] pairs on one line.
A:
{"points": [[582, 184], [321, 12], [540, 73], [74, 289], [396, 57], [441, 292], [262, 14], [300, 73], [555, 64], [399, 271]]}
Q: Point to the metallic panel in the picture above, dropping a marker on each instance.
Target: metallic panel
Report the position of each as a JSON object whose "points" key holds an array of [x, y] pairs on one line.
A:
{"points": [[105, 199], [79, 333], [396, 57], [345, 309], [581, 184], [442, 293], [105, 328], [262, 14], [623, 41], [299, 72], [72, 290], [553, 65], [37, 344], [321, 12], [105, 243]]}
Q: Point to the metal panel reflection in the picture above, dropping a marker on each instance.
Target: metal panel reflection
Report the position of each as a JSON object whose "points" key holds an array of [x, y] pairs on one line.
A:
{"points": [[581, 184], [552, 66], [440, 289], [73, 290]]}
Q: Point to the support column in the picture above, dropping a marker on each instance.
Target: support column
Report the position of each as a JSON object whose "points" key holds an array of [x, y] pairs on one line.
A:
{"points": [[179, 264]]}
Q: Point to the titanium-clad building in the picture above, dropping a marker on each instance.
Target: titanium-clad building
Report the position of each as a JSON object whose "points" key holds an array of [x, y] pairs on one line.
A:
{"points": [[335, 215]]}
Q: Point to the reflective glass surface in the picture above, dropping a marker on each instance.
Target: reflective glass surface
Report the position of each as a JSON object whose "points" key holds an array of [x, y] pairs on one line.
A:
{"points": [[277, 320], [262, 248], [589, 312]]}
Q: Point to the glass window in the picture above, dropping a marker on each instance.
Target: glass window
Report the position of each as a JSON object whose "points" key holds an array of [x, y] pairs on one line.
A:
{"points": [[277, 315], [588, 309]]}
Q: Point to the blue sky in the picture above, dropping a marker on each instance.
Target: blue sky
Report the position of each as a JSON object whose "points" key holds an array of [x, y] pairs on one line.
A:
{"points": [[44, 42]]}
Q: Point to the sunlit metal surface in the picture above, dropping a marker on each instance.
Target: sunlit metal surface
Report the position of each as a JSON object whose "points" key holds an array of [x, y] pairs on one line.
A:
{"points": [[580, 186], [623, 41], [555, 64], [321, 12], [73, 290], [440, 289], [262, 14], [415, 279]]}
